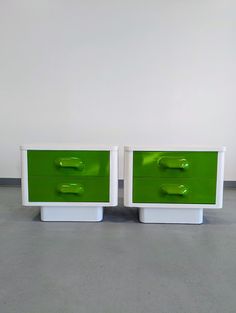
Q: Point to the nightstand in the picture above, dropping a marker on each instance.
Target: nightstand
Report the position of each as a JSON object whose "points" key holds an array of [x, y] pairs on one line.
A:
{"points": [[173, 185], [69, 182]]}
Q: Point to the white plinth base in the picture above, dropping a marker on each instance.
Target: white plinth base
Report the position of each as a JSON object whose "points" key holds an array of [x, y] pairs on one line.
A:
{"points": [[71, 214], [166, 215]]}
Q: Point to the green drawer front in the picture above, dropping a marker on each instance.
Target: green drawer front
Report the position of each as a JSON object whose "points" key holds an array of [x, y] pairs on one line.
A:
{"points": [[68, 189], [71, 163], [175, 164], [194, 191]]}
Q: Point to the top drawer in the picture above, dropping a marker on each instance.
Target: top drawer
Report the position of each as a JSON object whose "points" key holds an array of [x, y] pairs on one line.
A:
{"points": [[175, 164], [73, 163]]}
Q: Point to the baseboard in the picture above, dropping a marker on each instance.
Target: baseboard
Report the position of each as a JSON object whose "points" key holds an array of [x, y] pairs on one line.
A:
{"points": [[230, 184], [10, 181], [121, 183], [17, 182]]}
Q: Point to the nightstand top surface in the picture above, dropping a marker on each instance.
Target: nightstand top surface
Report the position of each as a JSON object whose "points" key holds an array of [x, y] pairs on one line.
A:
{"points": [[175, 148], [48, 146]]}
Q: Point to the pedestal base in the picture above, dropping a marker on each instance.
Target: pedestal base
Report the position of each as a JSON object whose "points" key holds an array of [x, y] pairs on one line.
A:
{"points": [[166, 215], [71, 214]]}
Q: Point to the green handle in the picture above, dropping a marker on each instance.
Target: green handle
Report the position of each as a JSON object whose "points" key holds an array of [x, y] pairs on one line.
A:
{"points": [[174, 163], [76, 189], [174, 189], [70, 162]]}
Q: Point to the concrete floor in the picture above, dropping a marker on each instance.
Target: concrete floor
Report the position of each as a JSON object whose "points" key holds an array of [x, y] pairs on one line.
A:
{"points": [[118, 265]]}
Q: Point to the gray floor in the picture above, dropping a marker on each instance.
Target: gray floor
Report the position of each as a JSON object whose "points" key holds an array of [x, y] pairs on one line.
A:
{"points": [[118, 265]]}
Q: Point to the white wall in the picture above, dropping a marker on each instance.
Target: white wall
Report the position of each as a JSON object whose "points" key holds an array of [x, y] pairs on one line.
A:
{"points": [[117, 72]]}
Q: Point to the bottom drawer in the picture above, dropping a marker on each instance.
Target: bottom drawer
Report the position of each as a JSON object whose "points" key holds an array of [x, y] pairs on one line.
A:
{"points": [[68, 189], [194, 191]]}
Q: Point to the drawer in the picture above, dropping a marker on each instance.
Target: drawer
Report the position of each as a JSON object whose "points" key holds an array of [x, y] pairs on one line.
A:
{"points": [[71, 163], [165, 190], [175, 164], [68, 189]]}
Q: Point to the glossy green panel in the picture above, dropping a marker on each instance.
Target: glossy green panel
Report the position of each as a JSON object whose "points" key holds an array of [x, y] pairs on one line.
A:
{"points": [[174, 190], [68, 189], [71, 163], [175, 164]]}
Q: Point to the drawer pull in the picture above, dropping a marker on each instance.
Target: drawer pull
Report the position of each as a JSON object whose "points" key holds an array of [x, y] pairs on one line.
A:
{"points": [[76, 189], [174, 163], [174, 189], [70, 163]]}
